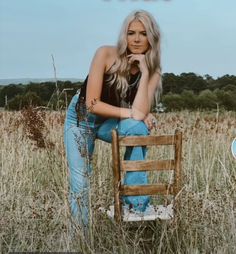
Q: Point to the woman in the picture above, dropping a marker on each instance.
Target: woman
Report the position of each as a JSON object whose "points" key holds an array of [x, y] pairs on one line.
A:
{"points": [[122, 84]]}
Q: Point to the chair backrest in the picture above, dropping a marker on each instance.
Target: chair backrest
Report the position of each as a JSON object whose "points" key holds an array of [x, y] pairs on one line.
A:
{"points": [[147, 165]]}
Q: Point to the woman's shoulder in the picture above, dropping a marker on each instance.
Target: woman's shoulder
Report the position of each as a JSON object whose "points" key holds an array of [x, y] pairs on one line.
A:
{"points": [[106, 55], [107, 50]]}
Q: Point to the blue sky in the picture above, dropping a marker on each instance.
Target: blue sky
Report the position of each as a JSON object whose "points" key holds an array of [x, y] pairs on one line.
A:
{"points": [[197, 35]]}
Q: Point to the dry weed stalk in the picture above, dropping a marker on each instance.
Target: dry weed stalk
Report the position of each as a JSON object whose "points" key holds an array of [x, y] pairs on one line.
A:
{"points": [[34, 125]]}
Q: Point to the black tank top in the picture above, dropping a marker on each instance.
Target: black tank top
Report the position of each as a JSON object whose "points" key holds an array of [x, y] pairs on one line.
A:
{"points": [[111, 95]]}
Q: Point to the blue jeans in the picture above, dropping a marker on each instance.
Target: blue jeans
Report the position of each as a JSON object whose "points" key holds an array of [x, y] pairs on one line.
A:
{"points": [[79, 141]]}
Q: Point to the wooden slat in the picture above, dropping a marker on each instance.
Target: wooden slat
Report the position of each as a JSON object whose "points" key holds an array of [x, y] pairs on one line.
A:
{"points": [[147, 140], [116, 173], [178, 154], [150, 189], [150, 165]]}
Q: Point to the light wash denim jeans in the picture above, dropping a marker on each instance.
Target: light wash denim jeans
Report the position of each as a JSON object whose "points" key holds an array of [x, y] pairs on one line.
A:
{"points": [[79, 141]]}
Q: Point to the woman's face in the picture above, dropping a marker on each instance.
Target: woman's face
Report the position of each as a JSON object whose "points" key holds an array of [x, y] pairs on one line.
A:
{"points": [[137, 38]]}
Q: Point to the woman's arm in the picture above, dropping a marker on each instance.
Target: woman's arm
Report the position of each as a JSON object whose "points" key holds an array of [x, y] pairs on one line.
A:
{"points": [[94, 88], [146, 90]]}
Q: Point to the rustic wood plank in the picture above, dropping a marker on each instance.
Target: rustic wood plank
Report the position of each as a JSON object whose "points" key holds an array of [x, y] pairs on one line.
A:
{"points": [[150, 165], [178, 154], [146, 140], [149, 189], [116, 173]]}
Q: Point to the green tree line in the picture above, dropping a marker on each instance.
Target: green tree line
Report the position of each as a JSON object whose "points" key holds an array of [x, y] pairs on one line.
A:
{"points": [[191, 91], [44, 94], [184, 91]]}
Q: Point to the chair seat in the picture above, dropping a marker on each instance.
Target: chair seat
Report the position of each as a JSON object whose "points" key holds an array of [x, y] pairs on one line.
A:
{"points": [[151, 213]]}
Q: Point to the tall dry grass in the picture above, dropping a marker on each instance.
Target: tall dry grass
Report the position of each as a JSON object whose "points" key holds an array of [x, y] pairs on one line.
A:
{"points": [[34, 213]]}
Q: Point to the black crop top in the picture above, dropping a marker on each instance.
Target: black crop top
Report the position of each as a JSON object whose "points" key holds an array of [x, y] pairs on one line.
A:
{"points": [[111, 95]]}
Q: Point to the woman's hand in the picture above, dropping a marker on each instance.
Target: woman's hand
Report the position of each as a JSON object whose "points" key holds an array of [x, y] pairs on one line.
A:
{"points": [[140, 59], [151, 121]]}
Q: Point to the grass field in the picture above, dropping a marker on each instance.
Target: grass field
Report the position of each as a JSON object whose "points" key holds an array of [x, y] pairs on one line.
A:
{"points": [[34, 213]]}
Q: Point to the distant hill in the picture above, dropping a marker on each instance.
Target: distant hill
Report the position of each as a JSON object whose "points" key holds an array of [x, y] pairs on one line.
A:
{"points": [[4, 82]]}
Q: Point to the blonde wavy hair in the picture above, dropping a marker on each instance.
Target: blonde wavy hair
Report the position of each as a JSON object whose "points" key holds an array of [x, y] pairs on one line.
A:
{"points": [[121, 68]]}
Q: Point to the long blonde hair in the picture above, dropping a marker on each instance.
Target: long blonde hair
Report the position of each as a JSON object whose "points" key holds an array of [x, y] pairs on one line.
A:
{"points": [[121, 68]]}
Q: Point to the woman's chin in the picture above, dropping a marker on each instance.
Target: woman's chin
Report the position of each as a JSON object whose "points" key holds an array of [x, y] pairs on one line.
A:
{"points": [[137, 51]]}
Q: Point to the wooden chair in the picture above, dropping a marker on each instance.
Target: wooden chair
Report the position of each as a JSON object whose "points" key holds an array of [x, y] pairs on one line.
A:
{"points": [[120, 165]]}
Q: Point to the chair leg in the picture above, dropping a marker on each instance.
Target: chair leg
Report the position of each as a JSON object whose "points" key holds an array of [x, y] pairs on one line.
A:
{"points": [[117, 176], [178, 154], [178, 173]]}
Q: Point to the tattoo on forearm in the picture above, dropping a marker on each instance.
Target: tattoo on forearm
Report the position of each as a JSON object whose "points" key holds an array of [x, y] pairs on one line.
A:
{"points": [[83, 110], [93, 103]]}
